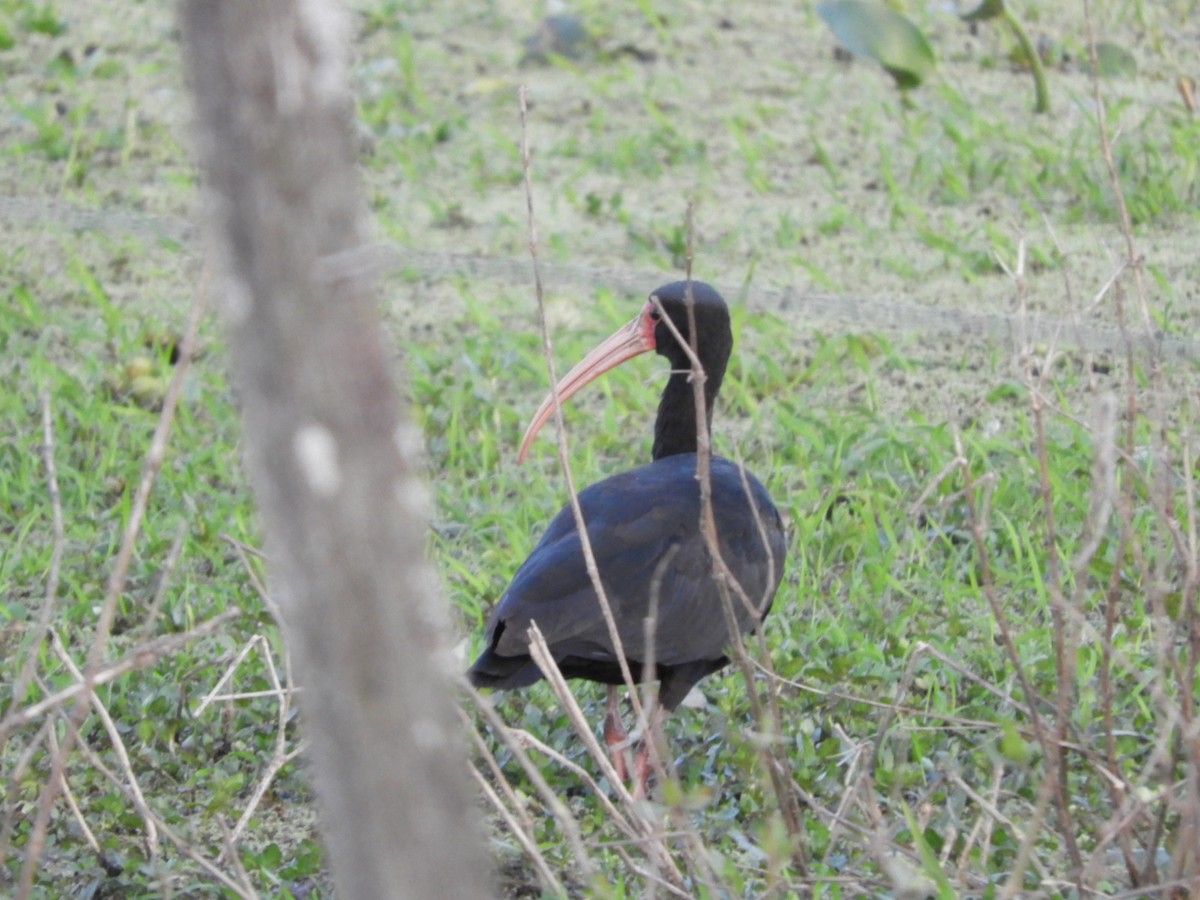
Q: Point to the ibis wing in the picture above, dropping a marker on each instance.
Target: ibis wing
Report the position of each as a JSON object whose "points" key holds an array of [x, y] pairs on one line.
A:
{"points": [[652, 557]]}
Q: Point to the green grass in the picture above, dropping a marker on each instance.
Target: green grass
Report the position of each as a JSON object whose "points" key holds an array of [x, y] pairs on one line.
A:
{"points": [[869, 579], [807, 175]]}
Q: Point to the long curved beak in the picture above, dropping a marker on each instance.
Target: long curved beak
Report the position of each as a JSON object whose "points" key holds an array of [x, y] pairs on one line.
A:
{"points": [[629, 341]]}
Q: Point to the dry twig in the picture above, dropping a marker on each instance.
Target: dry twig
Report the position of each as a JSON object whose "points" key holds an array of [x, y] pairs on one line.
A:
{"points": [[561, 428], [138, 658], [118, 746]]}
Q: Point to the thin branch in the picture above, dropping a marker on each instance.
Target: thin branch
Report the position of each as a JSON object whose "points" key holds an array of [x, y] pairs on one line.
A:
{"points": [[723, 575], [585, 541], [1015, 880], [979, 527], [518, 805], [256, 641], [1065, 639], [919, 648], [618, 817]]}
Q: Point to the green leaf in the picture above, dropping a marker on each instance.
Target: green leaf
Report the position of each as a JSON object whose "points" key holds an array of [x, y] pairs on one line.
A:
{"points": [[1013, 746], [1115, 61], [988, 9], [907, 879], [874, 31], [45, 21], [271, 857]]}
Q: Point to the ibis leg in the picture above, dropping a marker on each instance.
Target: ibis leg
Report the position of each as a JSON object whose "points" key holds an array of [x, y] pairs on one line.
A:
{"points": [[642, 766], [616, 735]]}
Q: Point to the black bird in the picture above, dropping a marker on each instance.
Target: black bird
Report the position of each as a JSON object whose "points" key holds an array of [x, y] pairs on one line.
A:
{"points": [[645, 531]]}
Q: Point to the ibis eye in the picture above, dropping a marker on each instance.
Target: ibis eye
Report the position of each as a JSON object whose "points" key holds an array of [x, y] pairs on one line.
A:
{"points": [[655, 315]]}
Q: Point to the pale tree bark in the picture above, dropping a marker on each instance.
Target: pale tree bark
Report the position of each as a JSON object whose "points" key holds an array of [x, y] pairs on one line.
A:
{"points": [[329, 450]]}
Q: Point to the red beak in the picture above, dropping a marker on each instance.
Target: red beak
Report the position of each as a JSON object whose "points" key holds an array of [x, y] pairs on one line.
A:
{"points": [[632, 340]]}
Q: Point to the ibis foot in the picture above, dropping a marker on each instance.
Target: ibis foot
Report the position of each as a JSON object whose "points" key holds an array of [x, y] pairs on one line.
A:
{"points": [[617, 736], [632, 765]]}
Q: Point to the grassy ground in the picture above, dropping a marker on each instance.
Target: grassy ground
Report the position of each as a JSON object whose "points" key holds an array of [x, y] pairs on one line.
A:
{"points": [[985, 641]]}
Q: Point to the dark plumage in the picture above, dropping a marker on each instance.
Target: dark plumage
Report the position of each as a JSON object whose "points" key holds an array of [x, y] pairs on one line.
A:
{"points": [[636, 520], [644, 527]]}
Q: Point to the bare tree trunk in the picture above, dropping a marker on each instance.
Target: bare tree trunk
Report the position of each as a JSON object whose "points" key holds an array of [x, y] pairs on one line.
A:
{"points": [[329, 452]]}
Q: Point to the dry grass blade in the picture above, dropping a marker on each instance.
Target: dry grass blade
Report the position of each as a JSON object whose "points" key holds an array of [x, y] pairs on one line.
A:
{"points": [[1104, 487], [280, 758], [978, 507], [280, 755], [118, 746], [15, 809], [1014, 884], [516, 739], [654, 846], [615, 815], [518, 807], [984, 823], [242, 889], [541, 654], [29, 665], [138, 658], [1065, 640], [244, 552], [150, 469], [164, 579], [558, 809], [919, 648], [257, 642], [990, 809], [549, 881], [28, 672], [116, 585]]}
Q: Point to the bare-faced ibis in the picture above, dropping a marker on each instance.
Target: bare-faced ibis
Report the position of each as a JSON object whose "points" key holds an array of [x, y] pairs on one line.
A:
{"points": [[645, 530]]}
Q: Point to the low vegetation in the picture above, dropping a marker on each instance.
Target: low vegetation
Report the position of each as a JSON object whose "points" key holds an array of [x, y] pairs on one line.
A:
{"points": [[984, 656]]}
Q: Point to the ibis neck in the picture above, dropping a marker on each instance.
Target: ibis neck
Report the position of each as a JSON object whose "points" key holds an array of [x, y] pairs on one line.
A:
{"points": [[675, 427]]}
